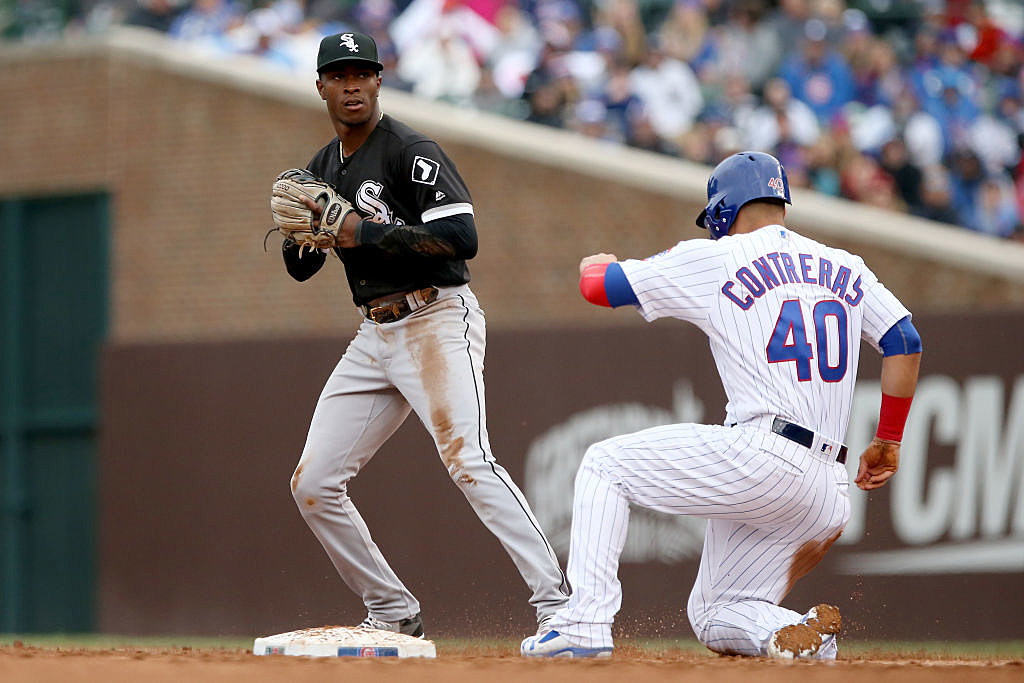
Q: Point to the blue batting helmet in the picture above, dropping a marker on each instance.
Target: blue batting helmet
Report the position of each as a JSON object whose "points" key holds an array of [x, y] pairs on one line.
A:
{"points": [[739, 179]]}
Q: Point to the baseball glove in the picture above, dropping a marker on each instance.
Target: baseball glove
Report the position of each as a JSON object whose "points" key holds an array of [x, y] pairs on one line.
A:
{"points": [[297, 221]]}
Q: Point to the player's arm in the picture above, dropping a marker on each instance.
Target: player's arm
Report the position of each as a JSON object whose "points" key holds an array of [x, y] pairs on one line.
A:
{"points": [[450, 237], [901, 349], [430, 181], [603, 283]]}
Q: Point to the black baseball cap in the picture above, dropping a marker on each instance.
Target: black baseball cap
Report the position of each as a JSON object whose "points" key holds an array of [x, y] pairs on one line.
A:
{"points": [[347, 47]]}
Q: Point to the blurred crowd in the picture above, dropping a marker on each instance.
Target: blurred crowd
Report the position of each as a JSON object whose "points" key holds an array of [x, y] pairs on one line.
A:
{"points": [[911, 105]]}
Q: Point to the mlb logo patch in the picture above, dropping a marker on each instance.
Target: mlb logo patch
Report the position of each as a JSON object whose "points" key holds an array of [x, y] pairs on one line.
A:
{"points": [[826, 449]]}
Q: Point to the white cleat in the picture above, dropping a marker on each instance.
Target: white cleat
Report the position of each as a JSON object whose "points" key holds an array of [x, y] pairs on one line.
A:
{"points": [[796, 641], [553, 644], [813, 638]]}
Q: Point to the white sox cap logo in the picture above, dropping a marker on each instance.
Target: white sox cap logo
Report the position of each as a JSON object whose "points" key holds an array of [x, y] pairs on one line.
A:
{"points": [[348, 40]]}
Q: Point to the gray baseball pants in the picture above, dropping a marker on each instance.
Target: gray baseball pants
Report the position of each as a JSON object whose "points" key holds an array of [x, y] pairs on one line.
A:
{"points": [[430, 362]]}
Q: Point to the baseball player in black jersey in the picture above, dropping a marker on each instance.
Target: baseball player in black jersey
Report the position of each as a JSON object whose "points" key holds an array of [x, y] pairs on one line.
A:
{"points": [[420, 346]]}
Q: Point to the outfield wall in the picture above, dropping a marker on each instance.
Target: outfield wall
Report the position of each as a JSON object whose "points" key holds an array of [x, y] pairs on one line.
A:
{"points": [[199, 532]]}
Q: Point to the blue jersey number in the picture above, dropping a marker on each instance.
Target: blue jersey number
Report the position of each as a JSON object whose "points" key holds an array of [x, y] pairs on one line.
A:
{"points": [[789, 342]]}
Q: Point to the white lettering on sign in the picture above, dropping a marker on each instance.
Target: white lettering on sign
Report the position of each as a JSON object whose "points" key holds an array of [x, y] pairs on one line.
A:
{"points": [[553, 458], [964, 515]]}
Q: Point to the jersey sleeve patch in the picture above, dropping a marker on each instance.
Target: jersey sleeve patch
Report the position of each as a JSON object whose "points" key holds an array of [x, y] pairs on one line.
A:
{"points": [[425, 170]]}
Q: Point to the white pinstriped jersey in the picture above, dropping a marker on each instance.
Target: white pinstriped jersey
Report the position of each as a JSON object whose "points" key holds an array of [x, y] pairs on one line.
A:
{"points": [[783, 314]]}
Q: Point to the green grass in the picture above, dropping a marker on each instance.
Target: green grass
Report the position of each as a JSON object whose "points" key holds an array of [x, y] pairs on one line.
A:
{"points": [[101, 641], [1010, 649]]}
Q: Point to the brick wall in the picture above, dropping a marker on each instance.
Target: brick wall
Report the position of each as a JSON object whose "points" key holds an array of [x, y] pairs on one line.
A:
{"points": [[188, 163]]}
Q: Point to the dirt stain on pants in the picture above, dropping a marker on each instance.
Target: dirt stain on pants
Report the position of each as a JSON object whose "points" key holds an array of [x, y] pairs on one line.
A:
{"points": [[425, 350], [807, 558]]}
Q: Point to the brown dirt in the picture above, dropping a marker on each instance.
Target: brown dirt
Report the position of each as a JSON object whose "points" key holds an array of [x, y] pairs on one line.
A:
{"points": [[797, 638], [57, 665], [827, 619]]}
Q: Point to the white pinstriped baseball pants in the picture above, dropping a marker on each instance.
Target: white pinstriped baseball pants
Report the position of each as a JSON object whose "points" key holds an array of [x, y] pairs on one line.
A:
{"points": [[772, 507]]}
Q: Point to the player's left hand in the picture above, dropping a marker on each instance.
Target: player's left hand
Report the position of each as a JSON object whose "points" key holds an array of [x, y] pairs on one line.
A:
{"points": [[598, 259], [308, 211], [877, 464]]}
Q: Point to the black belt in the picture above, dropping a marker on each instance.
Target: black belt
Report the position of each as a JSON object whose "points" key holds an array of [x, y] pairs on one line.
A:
{"points": [[804, 437], [389, 310]]}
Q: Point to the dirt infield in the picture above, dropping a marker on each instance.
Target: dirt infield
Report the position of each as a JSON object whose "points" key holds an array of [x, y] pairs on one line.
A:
{"points": [[20, 664]]}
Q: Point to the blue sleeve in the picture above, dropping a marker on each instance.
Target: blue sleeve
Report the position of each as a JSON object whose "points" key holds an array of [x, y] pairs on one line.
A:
{"points": [[616, 287], [901, 339]]}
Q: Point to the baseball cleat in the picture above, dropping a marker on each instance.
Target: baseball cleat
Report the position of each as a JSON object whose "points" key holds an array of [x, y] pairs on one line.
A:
{"points": [[796, 641], [412, 626], [813, 638], [554, 644], [825, 619]]}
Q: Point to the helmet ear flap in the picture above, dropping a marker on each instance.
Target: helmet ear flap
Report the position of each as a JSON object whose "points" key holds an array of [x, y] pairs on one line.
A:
{"points": [[718, 217], [717, 213]]}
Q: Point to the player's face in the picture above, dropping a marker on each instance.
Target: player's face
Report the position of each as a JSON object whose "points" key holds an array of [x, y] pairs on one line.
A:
{"points": [[350, 92]]}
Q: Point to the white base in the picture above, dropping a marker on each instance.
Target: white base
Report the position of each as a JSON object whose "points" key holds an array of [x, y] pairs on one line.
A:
{"points": [[343, 641]]}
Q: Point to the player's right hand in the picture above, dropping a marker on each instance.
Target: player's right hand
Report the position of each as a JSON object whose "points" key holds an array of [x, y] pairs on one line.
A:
{"points": [[878, 463], [597, 258], [315, 208], [347, 229]]}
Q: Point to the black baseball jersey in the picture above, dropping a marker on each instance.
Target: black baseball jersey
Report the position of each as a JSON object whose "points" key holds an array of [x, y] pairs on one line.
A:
{"points": [[404, 180]]}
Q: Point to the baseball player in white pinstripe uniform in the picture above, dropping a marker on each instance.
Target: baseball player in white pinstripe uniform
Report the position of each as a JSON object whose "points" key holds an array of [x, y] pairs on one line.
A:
{"points": [[783, 314]]}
